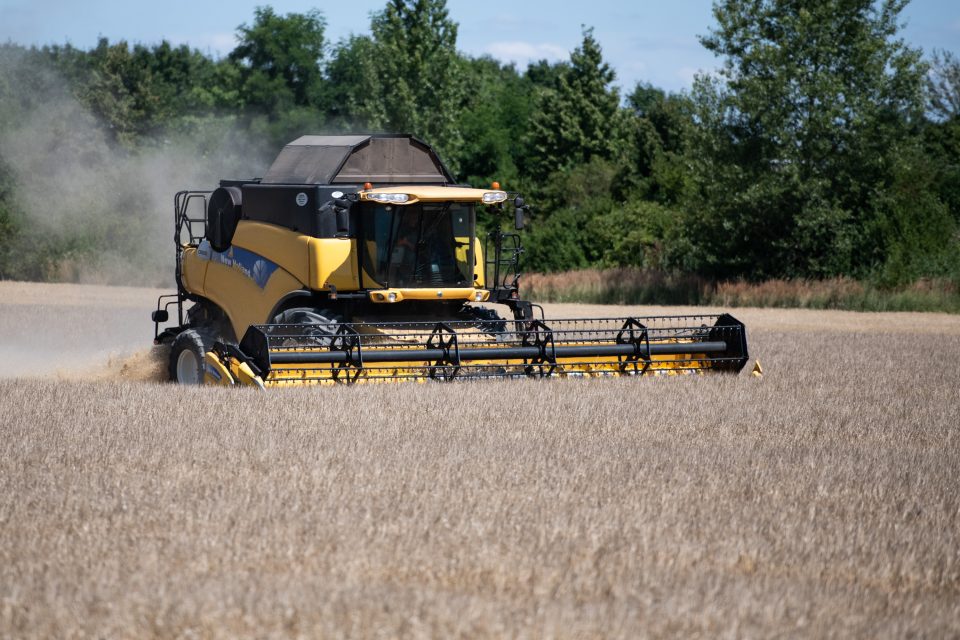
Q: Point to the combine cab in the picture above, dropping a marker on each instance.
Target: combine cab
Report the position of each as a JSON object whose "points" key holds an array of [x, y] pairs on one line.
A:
{"points": [[356, 259]]}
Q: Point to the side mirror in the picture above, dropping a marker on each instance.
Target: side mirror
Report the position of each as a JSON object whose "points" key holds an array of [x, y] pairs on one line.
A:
{"points": [[160, 315], [518, 208]]}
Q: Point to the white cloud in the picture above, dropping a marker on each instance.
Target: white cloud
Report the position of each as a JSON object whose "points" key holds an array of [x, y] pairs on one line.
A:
{"points": [[524, 53]]}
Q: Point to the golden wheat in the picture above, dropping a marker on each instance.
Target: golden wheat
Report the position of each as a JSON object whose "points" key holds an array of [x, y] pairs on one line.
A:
{"points": [[819, 500]]}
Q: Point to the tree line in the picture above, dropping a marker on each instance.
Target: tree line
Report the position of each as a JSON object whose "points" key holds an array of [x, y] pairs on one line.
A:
{"points": [[823, 146]]}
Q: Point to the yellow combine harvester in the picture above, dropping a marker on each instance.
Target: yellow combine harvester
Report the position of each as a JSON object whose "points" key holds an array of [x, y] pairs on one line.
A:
{"points": [[357, 258]]}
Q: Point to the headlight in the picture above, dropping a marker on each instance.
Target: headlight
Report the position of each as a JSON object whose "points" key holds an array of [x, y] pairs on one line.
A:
{"points": [[398, 198], [491, 197], [478, 296], [392, 297]]}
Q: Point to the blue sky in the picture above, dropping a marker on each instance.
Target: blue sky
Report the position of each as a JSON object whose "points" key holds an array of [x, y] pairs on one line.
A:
{"points": [[644, 41]]}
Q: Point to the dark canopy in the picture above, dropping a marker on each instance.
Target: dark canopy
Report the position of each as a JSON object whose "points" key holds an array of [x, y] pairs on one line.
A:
{"points": [[380, 159]]}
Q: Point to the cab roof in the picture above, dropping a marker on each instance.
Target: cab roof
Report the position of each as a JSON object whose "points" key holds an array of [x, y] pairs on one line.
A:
{"points": [[382, 159]]}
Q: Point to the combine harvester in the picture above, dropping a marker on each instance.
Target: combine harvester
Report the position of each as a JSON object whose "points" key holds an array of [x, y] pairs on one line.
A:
{"points": [[357, 259]]}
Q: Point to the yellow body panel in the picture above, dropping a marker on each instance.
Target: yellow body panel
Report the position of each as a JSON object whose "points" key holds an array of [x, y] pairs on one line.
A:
{"points": [[333, 262], [316, 262], [447, 293], [285, 247], [479, 268], [387, 372], [430, 193], [242, 300], [368, 281], [216, 372], [194, 270]]}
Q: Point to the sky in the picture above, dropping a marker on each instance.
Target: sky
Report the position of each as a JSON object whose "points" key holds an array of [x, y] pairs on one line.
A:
{"points": [[643, 40]]}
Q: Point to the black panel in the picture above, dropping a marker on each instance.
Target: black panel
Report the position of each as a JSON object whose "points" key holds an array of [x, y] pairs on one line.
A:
{"points": [[255, 345], [223, 213], [734, 334], [305, 208]]}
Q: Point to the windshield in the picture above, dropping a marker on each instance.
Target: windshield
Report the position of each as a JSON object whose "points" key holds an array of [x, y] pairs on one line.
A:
{"points": [[419, 245]]}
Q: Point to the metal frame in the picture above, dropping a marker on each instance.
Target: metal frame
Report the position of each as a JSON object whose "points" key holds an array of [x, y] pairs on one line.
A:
{"points": [[446, 340], [635, 334], [182, 222], [461, 350]]}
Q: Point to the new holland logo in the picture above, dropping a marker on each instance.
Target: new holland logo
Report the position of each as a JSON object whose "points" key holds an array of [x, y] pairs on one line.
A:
{"points": [[250, 264]]}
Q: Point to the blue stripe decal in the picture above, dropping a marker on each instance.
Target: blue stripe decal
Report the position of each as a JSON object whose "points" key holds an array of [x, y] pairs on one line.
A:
{"points": [[250, 264]]}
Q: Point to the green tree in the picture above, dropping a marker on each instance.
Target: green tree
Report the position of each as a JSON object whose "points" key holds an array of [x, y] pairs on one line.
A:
{"points": [[281, 58], [184, 81], [409, 76], [570, 236], [655, 167], [579, 117], [943, 134], [117, 89], [636, 233], [800, 141], [141, 92], [546, 74], [493, 123], [9, 229], [351, 74], [554, 244], [943, 86]]}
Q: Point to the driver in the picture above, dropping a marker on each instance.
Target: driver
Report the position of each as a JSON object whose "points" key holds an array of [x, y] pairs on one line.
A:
{"points": [[404, 254]]}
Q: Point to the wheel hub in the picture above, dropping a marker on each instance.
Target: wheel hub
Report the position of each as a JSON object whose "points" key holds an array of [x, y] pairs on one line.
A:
{"points": [[188, 368]]}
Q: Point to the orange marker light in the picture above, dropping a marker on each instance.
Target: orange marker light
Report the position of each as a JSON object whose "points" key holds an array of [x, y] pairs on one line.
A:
{"points": [[367, 186], [495, 185]]}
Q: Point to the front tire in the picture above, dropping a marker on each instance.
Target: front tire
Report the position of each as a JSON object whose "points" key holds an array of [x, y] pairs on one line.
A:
{"points": [[187, 355]]}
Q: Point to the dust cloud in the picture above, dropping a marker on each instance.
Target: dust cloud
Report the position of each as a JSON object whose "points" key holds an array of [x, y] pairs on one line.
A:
{"points": [[78, 332], [91, 209]]}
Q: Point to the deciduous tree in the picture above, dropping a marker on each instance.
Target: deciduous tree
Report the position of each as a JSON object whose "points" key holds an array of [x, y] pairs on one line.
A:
{"points": [[413, 78], [578, 118], [801, 138], [281, 58]]}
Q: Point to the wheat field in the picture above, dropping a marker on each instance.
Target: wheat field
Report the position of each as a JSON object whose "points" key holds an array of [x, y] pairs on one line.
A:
{"points": [[820, 500]]}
